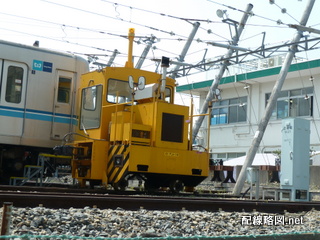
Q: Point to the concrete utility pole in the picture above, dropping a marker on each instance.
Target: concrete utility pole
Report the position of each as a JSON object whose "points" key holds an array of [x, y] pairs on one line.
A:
{"points": [[272, 101], [145, 52], [113, 56], [185, 49], [213, 87]]}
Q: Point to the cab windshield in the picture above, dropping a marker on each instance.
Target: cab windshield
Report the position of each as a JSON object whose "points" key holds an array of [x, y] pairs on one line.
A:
{"points": [[120, 92], [120, 89]]}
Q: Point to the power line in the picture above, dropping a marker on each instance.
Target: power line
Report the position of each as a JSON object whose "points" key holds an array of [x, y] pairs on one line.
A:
{"points": [[69, 26], [162, 14], [60, 40], [64, 27], [283, 10], [250, 53], [279, 22], [115, 18], [202, 20], [105, 32]]}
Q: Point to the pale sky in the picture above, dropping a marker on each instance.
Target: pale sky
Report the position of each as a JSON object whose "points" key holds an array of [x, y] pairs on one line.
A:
{"points": [[95, 26]]}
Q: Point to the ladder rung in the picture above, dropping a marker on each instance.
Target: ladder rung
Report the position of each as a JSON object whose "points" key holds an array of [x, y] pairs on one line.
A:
{"points": [[13, 180], [32, 166], [22, 178]]}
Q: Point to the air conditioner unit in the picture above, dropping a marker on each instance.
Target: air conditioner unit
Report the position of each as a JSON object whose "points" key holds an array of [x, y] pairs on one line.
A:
{"points": [[271, 62], [275, 61]]}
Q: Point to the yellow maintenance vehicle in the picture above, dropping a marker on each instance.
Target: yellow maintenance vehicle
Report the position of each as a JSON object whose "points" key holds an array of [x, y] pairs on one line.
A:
{"points": [[129, 127]]}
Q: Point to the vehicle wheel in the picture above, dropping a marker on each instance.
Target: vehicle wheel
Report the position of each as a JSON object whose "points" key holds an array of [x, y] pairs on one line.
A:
{"points": [[176, 186], [94, 183], [150, 186], [121, 185]]}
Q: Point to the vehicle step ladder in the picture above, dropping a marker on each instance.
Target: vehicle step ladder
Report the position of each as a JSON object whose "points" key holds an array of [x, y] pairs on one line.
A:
{"points": [[15, 180], [29, 172], [35, 172]]}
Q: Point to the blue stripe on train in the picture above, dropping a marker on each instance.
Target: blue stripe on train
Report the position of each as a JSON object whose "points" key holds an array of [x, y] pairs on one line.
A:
{"points": [[10, 113], [37, 115]]}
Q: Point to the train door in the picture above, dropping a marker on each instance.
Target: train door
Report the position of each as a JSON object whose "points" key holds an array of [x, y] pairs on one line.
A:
{"points": [[12, 97], [63, 115]]}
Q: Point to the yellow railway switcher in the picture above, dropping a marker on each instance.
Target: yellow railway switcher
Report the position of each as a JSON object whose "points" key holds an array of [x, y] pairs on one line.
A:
{"points": [[129, 128]]}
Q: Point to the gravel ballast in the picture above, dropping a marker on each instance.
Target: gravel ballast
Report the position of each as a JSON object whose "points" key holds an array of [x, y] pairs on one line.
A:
{"points": [[119, 223]]}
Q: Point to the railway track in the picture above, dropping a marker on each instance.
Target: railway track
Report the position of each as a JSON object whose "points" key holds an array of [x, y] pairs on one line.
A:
{"points": [[65, 198], [58, 198]]}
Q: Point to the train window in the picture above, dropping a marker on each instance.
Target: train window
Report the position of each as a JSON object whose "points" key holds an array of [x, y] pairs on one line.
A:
{"points": [[167, 94], [14, 84], [120, 89], [91, 107], [64, 89]]}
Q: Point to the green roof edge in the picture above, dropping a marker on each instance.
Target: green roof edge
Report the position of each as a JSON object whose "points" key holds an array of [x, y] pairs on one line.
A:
{"points": [[251, 75]]}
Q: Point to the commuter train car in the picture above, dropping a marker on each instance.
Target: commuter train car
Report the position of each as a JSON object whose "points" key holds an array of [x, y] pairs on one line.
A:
{"points": [[37, 99], [129, 127]]}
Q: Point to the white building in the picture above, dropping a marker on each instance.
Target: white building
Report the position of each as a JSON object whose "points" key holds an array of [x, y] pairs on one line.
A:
{"points": [[234, 118]]}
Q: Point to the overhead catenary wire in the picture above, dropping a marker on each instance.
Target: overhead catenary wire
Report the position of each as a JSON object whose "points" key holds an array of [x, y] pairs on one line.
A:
{"points": [[109, 33], [184, 38], [66, 39], [270, 49], [160, 14], [115, 18], [190, 20], [242, 11], [64, 26], [283, 10]]}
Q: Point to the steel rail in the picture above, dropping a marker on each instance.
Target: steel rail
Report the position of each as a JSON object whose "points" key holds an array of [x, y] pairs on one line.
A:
{"points": [[129, 202]]}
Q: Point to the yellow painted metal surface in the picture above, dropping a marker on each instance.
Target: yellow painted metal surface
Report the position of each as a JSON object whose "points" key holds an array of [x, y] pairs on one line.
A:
{"points": [[169, 161], [140, 134], [94, 159], [118, 119], [147, 136], [116, 169]]}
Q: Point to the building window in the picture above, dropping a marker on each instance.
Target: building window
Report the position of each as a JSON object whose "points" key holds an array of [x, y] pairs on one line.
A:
{"points": [[229, 111], [14, 84], [293, 103]]}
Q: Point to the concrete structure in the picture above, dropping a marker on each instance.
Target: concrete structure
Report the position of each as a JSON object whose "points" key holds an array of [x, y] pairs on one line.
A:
{"points": [[244, 93]]}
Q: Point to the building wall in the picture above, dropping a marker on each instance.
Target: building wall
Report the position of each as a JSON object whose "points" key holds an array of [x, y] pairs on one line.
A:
{"points": [[237, 137]]}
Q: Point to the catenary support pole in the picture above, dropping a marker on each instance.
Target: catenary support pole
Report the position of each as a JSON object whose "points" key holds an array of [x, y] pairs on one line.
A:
{"points": [[113, 56], [215, 83], [186, 48], [145, 52], [272, 102]]}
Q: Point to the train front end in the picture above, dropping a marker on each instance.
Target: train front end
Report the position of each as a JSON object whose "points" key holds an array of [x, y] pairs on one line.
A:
{"points": [[129, 128]]}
